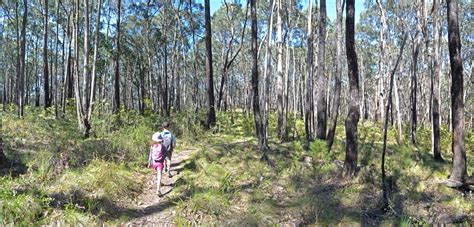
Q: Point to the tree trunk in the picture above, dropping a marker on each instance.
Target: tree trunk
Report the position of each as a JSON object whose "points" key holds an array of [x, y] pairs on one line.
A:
{"points": [[322, 98], [211, 113], [267, 68], [255, 102], [116, 105], [435, 107], [459, 172], [79, 106], [385, 129], [414, 80], [164, 84], [56, 66], [67, 73], [309, 79], [47, 100], [86, 79], [337, 89], [94, 65], [280, 91], [22, 74], [350, 163]]}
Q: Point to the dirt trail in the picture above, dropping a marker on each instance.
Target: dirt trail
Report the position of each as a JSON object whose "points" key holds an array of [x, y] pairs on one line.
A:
{"points": [[160, 211]]}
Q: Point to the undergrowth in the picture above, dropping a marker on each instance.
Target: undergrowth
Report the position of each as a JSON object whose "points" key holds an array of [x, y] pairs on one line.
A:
{"points": [[56, 176]]}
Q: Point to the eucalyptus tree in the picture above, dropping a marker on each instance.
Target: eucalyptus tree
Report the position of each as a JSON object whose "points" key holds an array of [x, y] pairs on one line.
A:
{"points": [[459, 172], [350, 163], [262, 140], [308, 79], [116, 105], [322, 99], [337, 89], [47, 98], [435, 86], [21, 55], [211, 113]]}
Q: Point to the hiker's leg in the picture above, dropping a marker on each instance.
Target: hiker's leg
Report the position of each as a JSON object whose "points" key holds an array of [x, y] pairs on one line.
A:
{"points": [[169, 163], [158, 181]]}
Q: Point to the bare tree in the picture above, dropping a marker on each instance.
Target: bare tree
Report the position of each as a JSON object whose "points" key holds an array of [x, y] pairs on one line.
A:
{"points": [[459, 172], [350, 163]]}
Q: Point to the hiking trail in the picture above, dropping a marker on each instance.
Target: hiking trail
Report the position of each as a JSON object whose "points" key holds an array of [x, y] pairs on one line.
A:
{"points": [[154, 210]]}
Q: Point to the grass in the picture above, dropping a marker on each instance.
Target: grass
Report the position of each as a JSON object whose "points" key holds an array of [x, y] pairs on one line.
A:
{"points": [[226, 182]]}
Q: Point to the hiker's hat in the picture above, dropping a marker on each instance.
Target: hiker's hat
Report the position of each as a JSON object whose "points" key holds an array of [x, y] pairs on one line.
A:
{"points": [[157, 137], [165, 124]]}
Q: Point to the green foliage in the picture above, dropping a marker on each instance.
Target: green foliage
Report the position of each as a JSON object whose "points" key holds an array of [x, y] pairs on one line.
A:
{"points": [[99, 179], [20, 207]]}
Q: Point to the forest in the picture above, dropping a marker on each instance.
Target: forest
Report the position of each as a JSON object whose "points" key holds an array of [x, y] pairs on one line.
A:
{"points": [[285, 112]]}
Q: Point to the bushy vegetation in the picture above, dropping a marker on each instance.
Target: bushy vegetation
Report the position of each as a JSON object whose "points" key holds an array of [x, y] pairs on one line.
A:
{"points": [[70, 180]]}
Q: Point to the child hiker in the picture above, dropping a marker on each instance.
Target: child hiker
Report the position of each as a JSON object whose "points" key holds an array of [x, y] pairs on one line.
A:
{"points": [[156, 158]]}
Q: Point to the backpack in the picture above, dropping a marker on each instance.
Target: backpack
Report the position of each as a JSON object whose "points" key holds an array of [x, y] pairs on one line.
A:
{"points": [[167, 140], [157, 152]]}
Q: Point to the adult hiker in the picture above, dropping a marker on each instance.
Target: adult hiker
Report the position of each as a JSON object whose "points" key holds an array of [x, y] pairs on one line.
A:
{"points": [[169, 143]]}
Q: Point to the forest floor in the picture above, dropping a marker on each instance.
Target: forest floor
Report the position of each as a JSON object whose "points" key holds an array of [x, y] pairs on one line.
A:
{"points": [[55, 177]]}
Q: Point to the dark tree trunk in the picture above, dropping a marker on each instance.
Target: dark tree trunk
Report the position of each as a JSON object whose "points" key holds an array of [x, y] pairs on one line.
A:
{"points": [[350, 163], [255, 101], [21, 82], [322, 100], [116, 107], [459, 172], [211, 113], [47, 100], [436, 145]]}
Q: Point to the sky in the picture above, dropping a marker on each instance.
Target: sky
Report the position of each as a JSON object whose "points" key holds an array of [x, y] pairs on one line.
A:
{"points": [[330, 7]]}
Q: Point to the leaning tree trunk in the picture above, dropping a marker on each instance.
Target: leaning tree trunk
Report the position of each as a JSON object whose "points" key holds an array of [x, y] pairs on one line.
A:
{"points": [[436, 145], [94, 65], [322, 107], [385, 129], [337, 88], [459, 172], [116, 106], [47, 99], [350, 163], [211, 113]]}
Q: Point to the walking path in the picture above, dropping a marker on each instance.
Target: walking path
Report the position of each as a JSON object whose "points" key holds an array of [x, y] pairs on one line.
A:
{"points": [[160, 211]]}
